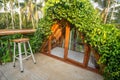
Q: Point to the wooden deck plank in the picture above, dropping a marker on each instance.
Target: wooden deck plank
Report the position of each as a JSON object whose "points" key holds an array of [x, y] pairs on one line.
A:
{"points": [[47, 68]]}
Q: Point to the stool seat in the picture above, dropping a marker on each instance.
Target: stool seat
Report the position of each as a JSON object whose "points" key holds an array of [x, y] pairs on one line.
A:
{"points": [[21, 40], [28, 52]]}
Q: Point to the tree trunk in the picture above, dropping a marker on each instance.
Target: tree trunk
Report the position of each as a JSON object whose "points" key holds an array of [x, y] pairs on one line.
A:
{"points": [[11, 12], [20, 18], [36, 15], [106, 12], [112, 14]]}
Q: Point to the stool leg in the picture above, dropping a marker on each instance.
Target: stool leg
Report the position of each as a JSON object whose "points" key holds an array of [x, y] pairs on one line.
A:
{"points": [[14, 54], [20, 57], [25, 49], [31, 53]]}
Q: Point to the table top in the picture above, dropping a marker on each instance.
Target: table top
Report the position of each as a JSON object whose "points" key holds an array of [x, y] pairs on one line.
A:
{"points": [[15, 31]]}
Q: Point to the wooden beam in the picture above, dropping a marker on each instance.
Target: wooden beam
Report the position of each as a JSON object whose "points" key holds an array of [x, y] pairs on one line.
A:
{"points": [[66, 43], [49, 45], [75, 35], [55, 34], [96, 54], [16, 31], [86, 55], [87, 51]]}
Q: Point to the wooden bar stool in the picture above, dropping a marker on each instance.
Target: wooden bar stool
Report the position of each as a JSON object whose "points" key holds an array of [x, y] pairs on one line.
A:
{"points": [[19, 42]]}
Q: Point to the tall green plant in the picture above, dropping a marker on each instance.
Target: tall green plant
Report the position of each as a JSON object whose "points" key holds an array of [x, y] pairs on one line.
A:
{"points": [[43, 31], [11, 12], [5, 20], [6, 47], [106, 40]]}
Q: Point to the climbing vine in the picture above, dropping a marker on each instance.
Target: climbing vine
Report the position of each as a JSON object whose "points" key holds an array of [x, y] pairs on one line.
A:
{"points": [[43, 31], [104, 38]]}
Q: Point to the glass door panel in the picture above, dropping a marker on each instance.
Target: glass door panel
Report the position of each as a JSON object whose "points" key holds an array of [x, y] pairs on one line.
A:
{"points": [[76, 46]]}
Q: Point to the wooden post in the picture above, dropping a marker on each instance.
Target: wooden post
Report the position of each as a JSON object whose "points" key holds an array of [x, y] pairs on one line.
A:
{"points": [[9, 48], [66, 43], [86, 55], [48, 41], [60, 41], [74, 44], [96, 54], [49, 45]]}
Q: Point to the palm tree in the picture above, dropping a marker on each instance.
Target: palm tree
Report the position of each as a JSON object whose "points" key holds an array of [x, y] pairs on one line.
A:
{"points": [[27, 12], [19, 12], [113, 10], [104, 4], [32, 9], [1, 4], [11, 12], [5, 14], [38, 7], [115, 13], [107, 9]]}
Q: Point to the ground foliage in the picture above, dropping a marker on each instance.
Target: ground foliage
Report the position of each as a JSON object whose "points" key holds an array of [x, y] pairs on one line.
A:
{"points": [[42, 33], [104, 38]]}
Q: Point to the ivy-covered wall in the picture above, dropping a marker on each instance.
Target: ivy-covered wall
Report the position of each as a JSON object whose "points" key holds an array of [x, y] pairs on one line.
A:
{"points": [[104, 38]]}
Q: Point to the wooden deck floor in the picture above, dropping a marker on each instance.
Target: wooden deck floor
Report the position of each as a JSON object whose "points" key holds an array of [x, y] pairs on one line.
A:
{"points": [[46, 68]]}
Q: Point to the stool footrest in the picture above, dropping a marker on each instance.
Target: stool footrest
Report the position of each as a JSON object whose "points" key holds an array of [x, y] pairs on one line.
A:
{"points": [[23, 53], [23, 58]]}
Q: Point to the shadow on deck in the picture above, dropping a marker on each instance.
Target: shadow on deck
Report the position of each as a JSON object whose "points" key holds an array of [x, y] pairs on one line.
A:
{"points": [[47, 68]]}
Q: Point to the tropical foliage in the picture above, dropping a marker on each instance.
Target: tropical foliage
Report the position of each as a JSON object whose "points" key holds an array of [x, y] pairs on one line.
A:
{"points": [[106, 39], [22, 14], [109, 10], [22, 19], [5, 21], [43, 31], [6, 47]]}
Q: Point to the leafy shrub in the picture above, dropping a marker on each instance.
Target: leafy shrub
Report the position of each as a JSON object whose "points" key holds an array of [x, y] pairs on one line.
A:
{"points": [[6, 47], [5, 20], [41, 34], [106, 40]]}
